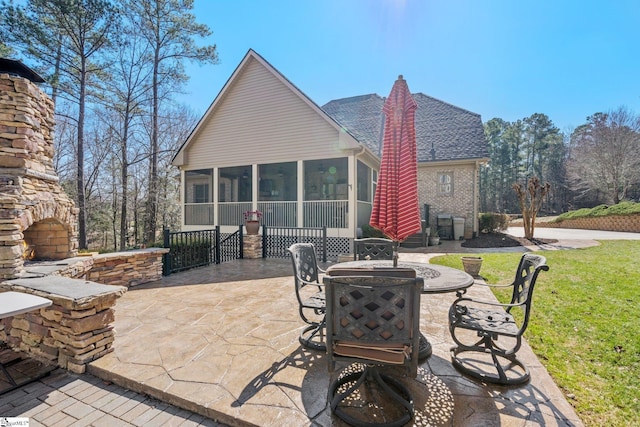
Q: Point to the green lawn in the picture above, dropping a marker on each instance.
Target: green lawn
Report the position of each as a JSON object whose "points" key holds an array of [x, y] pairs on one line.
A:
{"points": [[585, 325]]}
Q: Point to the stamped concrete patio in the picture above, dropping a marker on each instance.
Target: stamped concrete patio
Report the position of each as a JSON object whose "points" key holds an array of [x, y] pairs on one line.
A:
{"points": [[221, 341]]}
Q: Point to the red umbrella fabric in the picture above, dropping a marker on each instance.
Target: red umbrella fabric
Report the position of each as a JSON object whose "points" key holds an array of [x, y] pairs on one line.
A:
{"points": [[395, 207]]}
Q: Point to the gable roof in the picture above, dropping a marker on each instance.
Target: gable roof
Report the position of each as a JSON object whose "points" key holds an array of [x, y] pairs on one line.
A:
{"points": [[443, 131], [252, 55]]}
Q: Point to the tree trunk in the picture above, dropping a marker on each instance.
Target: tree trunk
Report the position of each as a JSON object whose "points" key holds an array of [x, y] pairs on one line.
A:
{"points": [[152, 198], [82, 214], [124, 175]]}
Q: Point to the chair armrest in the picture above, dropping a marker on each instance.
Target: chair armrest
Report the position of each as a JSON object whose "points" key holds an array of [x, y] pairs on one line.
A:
{"points": [[493, 285], [484, 302], [305, 283]]}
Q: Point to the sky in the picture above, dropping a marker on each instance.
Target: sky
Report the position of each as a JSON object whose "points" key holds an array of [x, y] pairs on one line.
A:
{"points": [[567, 59]]}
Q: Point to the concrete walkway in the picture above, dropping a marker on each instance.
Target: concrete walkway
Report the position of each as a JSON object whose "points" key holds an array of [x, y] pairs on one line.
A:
{"points": [[220, 343]]}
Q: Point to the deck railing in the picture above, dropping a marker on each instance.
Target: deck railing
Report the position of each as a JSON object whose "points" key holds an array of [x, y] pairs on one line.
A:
{"points": [[326, 213], [316, 213]]}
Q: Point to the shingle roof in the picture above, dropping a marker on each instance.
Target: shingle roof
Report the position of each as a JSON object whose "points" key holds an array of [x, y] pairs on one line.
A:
{"points": [[453, 133]]}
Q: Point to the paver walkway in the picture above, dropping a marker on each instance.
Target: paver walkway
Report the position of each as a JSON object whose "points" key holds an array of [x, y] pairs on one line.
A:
{"points": [[64, 399]]}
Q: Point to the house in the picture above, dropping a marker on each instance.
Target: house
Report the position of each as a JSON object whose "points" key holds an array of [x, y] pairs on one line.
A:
{"points": [[264, 145]]}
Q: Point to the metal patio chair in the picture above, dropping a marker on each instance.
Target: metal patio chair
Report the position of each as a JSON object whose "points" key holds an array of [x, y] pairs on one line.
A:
{"points": [[310, 294], [372, 321], [493, 322], [372, 248]]}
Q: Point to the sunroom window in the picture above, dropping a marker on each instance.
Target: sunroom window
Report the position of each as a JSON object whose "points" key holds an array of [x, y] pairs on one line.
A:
{"points": [[326, 179]]}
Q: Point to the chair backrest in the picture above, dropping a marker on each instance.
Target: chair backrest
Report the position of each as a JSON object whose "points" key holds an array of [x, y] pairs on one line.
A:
{"points": [[305, 263], [526, 275], [372, 248], [373, 319]]}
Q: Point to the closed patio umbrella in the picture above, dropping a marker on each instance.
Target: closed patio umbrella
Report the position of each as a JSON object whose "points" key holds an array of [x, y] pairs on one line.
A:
{"points": [[395, 206]]}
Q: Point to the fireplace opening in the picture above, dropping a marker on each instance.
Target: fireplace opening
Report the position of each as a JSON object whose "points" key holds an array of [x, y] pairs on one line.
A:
{"points": [[46, 240]]}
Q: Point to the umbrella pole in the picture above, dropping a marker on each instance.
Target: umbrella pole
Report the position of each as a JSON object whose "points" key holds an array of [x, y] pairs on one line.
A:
{"points": [[395, 253]]}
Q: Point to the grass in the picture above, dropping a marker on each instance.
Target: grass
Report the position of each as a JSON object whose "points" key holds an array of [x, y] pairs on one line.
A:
{"points": [[622, 208], [585, 325]]}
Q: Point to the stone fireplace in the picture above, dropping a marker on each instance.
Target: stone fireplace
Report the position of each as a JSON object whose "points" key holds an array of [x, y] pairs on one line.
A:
{"points": [[37, 218]]}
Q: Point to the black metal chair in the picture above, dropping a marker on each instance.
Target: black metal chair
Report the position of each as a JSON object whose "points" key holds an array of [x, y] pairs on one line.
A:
{"points": [[485, 358], [373, 248], [311, 301], [373, 321]]}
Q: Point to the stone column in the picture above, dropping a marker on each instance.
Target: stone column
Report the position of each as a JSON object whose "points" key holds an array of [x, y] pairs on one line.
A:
{"points": [[252, 246]]}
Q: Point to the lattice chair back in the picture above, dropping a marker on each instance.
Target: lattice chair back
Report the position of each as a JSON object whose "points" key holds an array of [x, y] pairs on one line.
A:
{"points": [[373, 249], [311, 301], [373, 319], [305, 263], [526, 275]]}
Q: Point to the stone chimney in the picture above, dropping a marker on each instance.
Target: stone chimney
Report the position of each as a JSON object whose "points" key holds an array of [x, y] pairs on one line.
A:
{"points": [[37, 218]]}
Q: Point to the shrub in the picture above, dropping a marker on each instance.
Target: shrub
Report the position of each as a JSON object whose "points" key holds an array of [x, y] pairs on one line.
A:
{"points": [[493, 222], [369, 231]]}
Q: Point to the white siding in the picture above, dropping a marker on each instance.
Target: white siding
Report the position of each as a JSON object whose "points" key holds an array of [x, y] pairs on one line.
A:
{"points": [[261, 120]]}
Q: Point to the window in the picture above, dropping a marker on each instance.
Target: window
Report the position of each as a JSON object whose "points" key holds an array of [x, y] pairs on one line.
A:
{"points": [[198, 184], [278, 182], [201, 193], [445, 183], [326, 179], [234, 184], [364, 182]]}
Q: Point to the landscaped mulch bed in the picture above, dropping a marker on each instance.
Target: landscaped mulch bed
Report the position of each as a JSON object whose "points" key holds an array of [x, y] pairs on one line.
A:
{"points": [[501, 240]]}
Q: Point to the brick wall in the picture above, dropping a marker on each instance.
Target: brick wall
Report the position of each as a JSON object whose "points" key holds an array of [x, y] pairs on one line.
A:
{"points": [[459, 203]]}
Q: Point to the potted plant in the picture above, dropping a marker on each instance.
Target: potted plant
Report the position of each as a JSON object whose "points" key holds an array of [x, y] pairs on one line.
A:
{"points": [[434, 237], [471, 265], [252, 221]]}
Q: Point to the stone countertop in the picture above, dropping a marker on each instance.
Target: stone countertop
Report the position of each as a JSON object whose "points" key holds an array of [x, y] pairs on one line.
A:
{"points": [[73, 294]]}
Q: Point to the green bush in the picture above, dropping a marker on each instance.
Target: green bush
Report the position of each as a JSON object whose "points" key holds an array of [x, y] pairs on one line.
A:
{"points": [[369, 231], [493, 222]]}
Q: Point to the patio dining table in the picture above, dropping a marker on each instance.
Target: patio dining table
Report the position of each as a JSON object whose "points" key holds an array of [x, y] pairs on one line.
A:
{"points": [[437, 279]]}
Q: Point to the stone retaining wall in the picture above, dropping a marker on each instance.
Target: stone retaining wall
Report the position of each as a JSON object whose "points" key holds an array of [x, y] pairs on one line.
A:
{"points": [[626, 223], [127, 268], [75, 330]]}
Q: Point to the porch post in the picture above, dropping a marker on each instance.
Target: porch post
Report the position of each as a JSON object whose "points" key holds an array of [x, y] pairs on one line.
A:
{"points": [[254, 187], [300, 196]]}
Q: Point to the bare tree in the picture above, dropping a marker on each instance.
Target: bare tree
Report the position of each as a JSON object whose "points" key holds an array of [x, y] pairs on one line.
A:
{"points": [[68, 37], [605, 155], [170, 30]]}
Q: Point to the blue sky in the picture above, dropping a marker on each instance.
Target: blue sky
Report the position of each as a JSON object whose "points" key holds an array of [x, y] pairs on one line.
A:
{"points": [[509, 59]]}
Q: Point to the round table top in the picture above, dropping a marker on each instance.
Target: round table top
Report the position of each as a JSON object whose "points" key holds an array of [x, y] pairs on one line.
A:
{"points": [[437, 278]]}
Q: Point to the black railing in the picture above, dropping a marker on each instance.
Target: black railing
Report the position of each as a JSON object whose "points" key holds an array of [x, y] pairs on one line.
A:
{"points": [[191, 249], [276, 240]]}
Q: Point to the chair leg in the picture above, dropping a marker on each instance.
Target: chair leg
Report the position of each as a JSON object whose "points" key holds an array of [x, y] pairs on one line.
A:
{"points": [[313, 337], [393, 388]]}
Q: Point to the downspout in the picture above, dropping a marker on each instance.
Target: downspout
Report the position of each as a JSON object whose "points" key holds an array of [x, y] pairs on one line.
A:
{"points": [[476, 198]]}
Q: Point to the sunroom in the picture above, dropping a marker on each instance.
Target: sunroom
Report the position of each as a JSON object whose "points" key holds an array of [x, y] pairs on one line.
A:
{"points": [[336, 193]]}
